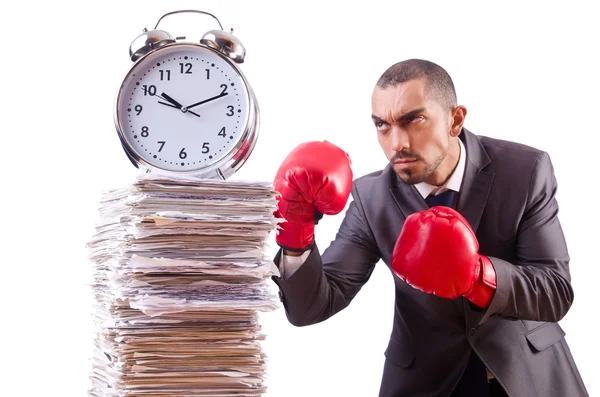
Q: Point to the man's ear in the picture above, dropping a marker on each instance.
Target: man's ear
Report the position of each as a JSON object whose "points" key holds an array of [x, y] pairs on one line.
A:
{"points": [[457, 119]]}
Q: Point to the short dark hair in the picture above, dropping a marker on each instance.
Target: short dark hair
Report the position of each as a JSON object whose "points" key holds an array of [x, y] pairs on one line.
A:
{"points": [[439, 84]]}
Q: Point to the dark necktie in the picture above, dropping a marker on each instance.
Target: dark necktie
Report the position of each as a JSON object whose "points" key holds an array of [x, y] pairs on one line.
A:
{"points": [[445, 199]]}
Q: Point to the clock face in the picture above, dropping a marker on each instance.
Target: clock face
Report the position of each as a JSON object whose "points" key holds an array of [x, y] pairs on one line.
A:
{"points": [[183, 108]]}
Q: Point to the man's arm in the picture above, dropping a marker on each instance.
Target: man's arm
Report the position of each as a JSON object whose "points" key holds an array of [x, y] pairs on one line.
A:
{"points": [[324, 285], [537, 286]]}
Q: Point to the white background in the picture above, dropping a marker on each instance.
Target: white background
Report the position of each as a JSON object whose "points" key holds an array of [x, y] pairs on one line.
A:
{"points": [[527, 73]]}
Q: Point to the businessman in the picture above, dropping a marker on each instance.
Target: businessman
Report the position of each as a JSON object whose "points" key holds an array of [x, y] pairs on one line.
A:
{"points": [[467, 225]]}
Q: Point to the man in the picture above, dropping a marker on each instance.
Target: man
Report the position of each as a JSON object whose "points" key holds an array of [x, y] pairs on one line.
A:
{"points": [[468, 225]]}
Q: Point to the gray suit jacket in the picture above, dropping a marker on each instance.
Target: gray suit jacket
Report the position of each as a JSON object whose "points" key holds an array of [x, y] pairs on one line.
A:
{"points": [[508, 197]]}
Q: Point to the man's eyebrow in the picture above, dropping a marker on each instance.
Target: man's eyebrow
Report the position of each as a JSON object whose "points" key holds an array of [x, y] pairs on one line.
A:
{"points": [[410, 115], [404, 117], [378, 119]]}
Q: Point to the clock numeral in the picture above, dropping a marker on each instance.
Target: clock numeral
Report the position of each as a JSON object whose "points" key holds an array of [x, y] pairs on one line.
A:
{"points": [[138, 109], [207, 74], [185, 68], [205, 148], [145, 132], [161, 143], [162, 74], [182, 154], [230, 113], [149, 90], [224, 87], [222, 133]]}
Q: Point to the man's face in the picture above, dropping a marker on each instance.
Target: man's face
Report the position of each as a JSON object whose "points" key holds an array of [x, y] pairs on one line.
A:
{"points": [[413, 130]]}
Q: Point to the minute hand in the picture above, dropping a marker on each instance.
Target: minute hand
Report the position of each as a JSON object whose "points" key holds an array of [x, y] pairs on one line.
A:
{"points": [[207, 100]]}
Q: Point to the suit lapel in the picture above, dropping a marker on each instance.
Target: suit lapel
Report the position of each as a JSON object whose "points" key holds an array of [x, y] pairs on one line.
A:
{"points": [[406, 197], [476, 183], [474, 192]]}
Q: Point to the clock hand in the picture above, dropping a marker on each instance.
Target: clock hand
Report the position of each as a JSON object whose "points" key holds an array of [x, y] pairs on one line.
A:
{"points": [[175, 104], [207, 100], [168, 104], [173, 101]]}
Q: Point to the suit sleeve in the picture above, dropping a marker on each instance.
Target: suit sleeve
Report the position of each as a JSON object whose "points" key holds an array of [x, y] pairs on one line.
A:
{"points": [[537, 286], [325, 284]]}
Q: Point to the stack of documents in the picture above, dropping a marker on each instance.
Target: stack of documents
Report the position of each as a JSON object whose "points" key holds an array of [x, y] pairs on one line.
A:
{"points": [[180, 274]]}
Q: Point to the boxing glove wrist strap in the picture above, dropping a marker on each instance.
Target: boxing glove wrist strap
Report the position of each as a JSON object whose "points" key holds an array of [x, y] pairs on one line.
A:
{"points": [[485, 284], [297, 237]]}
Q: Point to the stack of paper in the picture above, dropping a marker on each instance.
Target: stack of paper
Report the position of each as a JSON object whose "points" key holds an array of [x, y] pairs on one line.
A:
{"points": [[181, 273]]}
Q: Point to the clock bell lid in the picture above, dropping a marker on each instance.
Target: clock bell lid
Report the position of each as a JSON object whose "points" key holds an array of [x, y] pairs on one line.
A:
{"points": [[148, 41], [226, 43]]}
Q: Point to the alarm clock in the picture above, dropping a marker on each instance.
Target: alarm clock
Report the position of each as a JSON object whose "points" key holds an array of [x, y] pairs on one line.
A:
{"points": [[185, 107]]}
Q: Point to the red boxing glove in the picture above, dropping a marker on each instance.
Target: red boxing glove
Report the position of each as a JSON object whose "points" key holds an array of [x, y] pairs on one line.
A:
{"points": [[314, 179], [437, 253]]}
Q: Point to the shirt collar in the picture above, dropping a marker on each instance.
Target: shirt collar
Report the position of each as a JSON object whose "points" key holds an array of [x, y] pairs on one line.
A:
{"points": [[453, 183]]}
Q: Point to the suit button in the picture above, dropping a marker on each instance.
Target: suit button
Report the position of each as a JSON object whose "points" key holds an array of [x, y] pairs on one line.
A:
{"points": [[471, 332]]}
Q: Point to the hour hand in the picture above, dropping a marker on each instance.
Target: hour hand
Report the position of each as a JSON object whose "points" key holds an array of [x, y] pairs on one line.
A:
{"points": [[169, 99]]}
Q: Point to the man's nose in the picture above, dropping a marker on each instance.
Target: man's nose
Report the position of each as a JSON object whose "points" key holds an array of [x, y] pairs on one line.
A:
{"points": [[399, 139]]}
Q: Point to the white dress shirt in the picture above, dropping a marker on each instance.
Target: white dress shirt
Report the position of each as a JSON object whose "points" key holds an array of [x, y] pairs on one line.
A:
{"points": [[289, 264]]}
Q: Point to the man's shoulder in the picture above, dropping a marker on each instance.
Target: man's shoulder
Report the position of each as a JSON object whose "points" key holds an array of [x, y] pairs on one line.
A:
{"points": [[500, 148], [514, 164]]}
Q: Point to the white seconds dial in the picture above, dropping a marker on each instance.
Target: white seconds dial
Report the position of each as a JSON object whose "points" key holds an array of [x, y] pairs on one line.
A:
{"points": [[182, 108]]}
